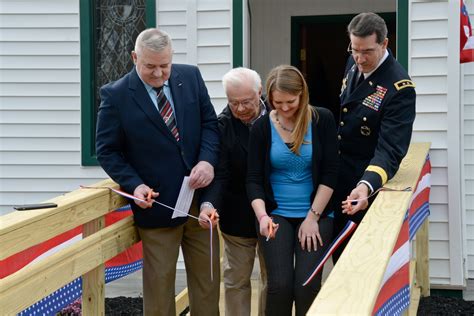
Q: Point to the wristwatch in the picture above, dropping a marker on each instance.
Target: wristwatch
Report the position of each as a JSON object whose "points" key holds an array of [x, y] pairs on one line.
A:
{"points": [[206, 204]]}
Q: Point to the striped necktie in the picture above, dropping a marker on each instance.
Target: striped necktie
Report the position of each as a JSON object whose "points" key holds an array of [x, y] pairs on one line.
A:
{"points": [[166, 112]]}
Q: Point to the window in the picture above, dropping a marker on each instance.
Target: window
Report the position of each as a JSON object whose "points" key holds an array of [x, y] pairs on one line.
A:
{"points": [[108, 32]]}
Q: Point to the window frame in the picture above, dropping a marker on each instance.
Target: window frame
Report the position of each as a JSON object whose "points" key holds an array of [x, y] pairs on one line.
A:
{"points": [[87, 41]]}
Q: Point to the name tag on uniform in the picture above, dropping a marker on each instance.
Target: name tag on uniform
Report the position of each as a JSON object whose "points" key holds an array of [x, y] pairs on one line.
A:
{"points": [[374, 100]]}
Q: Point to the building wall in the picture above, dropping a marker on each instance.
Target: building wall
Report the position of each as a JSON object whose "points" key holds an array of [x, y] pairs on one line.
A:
{"points": [[271, 25], [40, 145], [467, 98], [201, 33], [435, 70]]}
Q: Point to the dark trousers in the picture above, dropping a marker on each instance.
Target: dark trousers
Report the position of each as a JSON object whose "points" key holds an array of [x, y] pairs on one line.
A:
{"points": [[288, 266]]}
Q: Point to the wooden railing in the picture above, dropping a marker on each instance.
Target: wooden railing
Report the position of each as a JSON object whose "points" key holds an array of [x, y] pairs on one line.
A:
{"points": [[21, 230], [353, 284], [86, 258]]}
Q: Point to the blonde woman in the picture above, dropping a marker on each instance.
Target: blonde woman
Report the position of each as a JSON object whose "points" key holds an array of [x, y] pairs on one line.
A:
{"points": [[292, 169]]}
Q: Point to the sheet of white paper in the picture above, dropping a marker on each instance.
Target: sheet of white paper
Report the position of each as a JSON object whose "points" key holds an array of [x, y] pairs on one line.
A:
{"points": [[185, 198]]}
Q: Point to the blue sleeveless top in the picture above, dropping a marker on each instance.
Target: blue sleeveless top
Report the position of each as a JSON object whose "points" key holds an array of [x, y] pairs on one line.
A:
{"points": [[290, 176]]}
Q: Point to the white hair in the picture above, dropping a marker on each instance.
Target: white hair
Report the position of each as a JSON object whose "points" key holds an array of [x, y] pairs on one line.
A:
{"points": [[152, 39], [240, 75]]}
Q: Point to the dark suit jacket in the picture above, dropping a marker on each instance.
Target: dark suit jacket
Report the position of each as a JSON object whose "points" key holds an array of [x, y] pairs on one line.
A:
{"points": [[134, 145], [375, 127], [324, 164], [227, 192]]}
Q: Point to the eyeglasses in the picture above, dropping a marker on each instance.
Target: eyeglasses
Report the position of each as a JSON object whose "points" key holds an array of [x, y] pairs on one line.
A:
{"points": [[355, 52], [245, 103]]}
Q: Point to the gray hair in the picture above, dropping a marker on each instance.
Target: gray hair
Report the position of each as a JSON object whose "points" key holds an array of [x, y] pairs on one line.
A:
{"points": [[366, 24], [152, 39], [239, 75]]}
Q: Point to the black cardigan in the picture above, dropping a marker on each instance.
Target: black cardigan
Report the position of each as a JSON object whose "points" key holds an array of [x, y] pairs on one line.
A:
{"points": [[227, 192], [324, 157]]}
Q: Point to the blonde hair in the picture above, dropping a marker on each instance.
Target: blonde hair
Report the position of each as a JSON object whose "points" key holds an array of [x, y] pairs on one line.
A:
{"points": [[289, 79]]}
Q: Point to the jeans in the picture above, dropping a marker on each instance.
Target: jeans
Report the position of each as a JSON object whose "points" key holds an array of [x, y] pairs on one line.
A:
{"points": [[288, 266]]}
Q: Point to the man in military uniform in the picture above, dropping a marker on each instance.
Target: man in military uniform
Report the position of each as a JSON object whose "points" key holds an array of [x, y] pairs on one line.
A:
{"points": [[376, 119]]}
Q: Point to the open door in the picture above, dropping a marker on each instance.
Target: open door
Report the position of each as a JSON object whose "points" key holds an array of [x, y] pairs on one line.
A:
{"points": [[319, 50]]}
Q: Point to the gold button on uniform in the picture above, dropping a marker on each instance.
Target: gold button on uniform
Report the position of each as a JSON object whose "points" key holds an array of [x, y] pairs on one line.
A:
{"points": [[344, 110], [342, 123], [364, 119], [339, 137]]}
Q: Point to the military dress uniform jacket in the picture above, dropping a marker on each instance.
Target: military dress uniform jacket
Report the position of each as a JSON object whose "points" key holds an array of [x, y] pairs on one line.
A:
{"points": [[375, 126]]}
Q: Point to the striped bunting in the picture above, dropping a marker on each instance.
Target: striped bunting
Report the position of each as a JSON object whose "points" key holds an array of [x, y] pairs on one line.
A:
{"points": [[121, 265], [394, 294]]}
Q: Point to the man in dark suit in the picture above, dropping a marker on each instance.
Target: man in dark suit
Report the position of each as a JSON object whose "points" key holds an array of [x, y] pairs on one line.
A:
{"points": [[227, 192], [155, 126], [376, 119]]}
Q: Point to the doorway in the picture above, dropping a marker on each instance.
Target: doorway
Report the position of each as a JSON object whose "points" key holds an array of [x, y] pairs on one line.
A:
{"points": [[319, 50]]}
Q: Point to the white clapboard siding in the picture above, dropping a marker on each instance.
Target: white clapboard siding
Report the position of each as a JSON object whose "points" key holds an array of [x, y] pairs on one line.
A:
{"points": [[468, 116], [202, 35], [429, 69], [25, 48], [39, 130], [51, 102], [40, 145], [40, 76], [40, 158]]}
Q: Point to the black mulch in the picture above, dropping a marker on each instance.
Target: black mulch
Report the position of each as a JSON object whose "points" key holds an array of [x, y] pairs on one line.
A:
{"points": [[438, 305], [433, 305], [124, 306]]}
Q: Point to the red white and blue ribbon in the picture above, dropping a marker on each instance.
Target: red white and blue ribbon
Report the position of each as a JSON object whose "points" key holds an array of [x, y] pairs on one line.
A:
{"points": [[394, 294], [346, 232]]}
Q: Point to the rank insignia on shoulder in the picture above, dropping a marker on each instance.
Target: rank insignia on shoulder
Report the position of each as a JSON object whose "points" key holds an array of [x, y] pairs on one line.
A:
{"points": [[344, 84], [405, 83]]}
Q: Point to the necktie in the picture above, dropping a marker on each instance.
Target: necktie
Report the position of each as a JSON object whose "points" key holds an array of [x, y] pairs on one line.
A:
{"points": [[166, 112], [360, 80]]}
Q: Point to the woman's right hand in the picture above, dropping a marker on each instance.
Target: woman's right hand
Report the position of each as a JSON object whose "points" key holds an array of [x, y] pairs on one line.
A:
{"points": [[267, 227]]}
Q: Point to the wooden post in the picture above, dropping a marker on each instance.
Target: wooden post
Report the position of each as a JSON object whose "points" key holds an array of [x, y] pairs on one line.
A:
{"points": [[422, 258], [93, 282]]}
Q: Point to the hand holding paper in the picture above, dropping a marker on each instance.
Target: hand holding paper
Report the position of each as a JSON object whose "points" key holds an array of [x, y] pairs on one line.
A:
{"points": [[185, 198]]}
